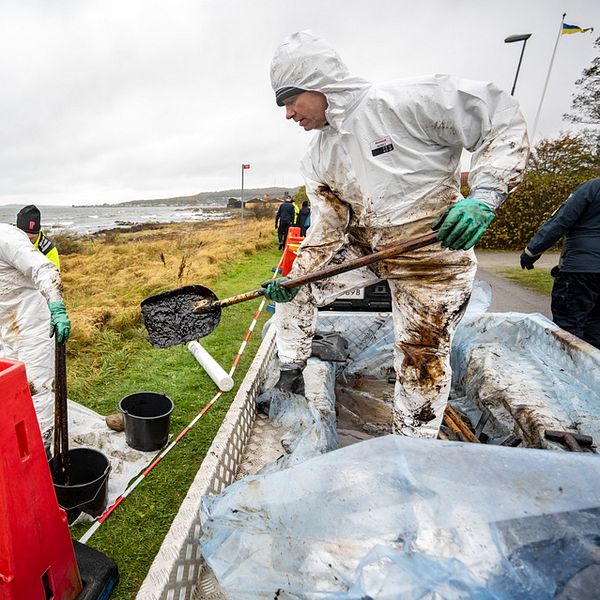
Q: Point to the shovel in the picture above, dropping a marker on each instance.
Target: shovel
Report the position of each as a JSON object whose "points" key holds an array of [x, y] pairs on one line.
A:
{"points": [[60, 463], [194, 311]]}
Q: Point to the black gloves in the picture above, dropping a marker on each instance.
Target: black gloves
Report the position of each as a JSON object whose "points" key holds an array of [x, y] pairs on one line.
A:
{"points": [[527, 259]]}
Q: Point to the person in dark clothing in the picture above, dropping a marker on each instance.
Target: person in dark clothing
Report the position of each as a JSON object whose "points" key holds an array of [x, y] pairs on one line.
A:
{"points": [[576, 289], [304, 218], [286, 215]]}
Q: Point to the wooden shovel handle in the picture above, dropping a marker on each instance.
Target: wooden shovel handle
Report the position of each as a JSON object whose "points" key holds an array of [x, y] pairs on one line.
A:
{"points": [[363, 261], [349, 265], [61, 419]]}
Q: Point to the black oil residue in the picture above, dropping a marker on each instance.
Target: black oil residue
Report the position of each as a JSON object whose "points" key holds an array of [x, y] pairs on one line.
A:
{"points": [[170, 319]]}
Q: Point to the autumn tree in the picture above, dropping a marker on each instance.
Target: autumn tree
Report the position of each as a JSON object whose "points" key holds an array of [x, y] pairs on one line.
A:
{"points": [[585, 108], [300, 196], [555, 169]]}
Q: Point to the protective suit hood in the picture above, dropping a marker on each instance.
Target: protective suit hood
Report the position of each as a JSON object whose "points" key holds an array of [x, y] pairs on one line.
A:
{"points": [[307, 62]]}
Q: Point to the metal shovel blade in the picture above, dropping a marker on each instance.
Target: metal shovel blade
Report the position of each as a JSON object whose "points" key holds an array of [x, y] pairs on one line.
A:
{"points": [[170, 319]]}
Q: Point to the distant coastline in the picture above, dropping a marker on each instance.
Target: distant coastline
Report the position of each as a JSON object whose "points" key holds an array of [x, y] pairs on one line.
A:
{"points": [[202, 199], [88, 220]]}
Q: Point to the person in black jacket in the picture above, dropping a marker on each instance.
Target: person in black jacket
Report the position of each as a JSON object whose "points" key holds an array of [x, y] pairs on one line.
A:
{"points": [[304, 218], [286, 215], [576, 289]]}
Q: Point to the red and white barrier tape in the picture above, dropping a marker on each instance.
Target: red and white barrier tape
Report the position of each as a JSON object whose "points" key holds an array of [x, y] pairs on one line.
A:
{"points": [[90, 532]]}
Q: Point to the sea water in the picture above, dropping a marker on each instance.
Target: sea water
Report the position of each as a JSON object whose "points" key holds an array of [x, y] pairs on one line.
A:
{"points": [[91, 219]]}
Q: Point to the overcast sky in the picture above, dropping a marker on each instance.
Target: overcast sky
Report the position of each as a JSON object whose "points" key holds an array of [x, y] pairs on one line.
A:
{"points": [[106, 100]]}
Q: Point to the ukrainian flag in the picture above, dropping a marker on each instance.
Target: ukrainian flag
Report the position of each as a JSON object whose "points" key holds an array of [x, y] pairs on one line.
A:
{"points": [[574, 29]]}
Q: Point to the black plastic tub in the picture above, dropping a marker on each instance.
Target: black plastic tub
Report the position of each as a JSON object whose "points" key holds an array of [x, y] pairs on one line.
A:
{"points": [[87, 482], [147, 416]]}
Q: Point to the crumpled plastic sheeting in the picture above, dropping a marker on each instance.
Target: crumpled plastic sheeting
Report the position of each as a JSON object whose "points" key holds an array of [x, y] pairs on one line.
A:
{"points": [[376, 358], [529, 373], [370, 338], [309, 421], [88, 429], [480, 300], [371, 335], [403, 517]]}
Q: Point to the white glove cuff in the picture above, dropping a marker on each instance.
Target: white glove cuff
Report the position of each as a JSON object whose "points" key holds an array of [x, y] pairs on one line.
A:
{"points": [[492, 198], [530, 253]]}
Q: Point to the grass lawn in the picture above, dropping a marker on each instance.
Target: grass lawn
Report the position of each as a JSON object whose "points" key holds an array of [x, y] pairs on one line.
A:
{"points": [[539, 280], [116, 359]]}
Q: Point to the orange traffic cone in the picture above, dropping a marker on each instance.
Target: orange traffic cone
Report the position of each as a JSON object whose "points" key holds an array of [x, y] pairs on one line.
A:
{"points": [[292, 242]]}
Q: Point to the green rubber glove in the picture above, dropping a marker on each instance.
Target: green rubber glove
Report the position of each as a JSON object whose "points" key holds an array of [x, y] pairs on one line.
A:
{"points": [[59, 321], [276, 292], [464, 224]]}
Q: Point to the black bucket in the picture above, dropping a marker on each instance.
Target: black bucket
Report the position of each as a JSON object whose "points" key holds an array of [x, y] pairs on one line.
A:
{"points": [[146, 416], [86, 490]]}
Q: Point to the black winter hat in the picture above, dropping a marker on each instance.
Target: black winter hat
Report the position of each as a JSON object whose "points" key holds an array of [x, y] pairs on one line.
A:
{"points": [[282, 94], [29, 219]]}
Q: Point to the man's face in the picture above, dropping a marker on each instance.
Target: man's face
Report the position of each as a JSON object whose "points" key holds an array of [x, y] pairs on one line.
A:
{"points": [[307, 109], [32, 237]]}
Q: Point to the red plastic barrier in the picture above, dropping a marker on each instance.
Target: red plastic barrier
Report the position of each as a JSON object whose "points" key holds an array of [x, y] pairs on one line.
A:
{"points": [[37, 560], [293, 240]]}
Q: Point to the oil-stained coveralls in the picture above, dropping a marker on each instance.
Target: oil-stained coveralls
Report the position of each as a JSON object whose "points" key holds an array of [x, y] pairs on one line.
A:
{"points": [[384, 166], [29, 282]]}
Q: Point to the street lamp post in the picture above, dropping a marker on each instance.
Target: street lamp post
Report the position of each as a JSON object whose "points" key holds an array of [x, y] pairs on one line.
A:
{"points": [[523, 37]]}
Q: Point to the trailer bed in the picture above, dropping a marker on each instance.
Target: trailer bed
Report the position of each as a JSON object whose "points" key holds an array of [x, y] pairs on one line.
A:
{"points": [[247, 441]]}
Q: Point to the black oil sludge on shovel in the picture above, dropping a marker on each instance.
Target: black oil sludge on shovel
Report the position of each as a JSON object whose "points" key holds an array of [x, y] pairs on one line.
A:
{"points": [[194, 311], [60, 463]]}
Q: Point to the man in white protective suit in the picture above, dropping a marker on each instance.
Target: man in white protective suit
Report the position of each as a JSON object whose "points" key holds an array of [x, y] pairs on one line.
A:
{"points": [[382, 167], [31, 308]]}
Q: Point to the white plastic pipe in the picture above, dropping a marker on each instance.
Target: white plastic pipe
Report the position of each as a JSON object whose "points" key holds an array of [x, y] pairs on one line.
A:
{"points": [[211, 366]]}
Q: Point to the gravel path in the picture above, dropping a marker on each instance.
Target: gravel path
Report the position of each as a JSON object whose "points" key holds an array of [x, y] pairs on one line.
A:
{"points": [[506, 295]]}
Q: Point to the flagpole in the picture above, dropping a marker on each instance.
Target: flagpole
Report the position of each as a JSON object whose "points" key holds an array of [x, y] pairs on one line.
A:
{"points": [[243, 198], [539, 110]]}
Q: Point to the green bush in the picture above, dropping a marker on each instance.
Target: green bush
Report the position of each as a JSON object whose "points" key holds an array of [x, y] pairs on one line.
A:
{"points": [[555, 169], [67, 243]]}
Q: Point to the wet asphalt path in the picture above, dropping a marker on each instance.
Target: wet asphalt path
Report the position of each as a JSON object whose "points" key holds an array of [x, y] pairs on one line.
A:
{"points": [[506, 295]]}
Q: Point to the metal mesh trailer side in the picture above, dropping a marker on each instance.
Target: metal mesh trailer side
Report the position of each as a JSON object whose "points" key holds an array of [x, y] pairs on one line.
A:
{"points": [[176, 569]]}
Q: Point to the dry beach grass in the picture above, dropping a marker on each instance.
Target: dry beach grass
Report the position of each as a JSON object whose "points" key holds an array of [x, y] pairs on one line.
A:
{"points": [[112, 273], [109, 355]]}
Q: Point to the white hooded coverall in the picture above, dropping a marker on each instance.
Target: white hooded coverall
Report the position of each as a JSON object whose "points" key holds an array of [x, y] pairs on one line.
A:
{"points": [[386, 164], [28, 282]]}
